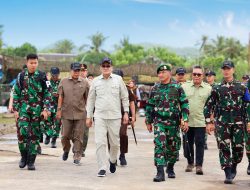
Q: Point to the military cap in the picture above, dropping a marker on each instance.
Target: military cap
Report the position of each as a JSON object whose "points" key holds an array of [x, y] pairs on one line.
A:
{"points": [[180, 71], [228, 64], [164, 66], [84, 67], [54, 70], [75, 66], [106, 60], [245, 77], [210, 73]]}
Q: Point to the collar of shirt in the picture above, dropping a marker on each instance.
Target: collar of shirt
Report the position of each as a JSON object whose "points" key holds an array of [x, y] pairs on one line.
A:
{"points": [[225, 82], [201, 85], [110, 76], [79, 78]]}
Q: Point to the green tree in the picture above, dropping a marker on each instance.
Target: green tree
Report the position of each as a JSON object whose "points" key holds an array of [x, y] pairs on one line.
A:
{"points": [[97, 41], [24, 50], [63, 46]]}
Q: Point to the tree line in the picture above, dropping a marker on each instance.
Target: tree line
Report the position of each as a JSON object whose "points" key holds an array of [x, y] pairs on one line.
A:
{"points": [[211, 52]]}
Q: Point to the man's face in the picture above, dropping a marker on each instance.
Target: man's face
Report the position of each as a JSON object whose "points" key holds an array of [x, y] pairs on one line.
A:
{"points": [[227, 72], [180, 77], [83, 73], [75, 73], [55, 77], [210, 79], [197, 76], [32, 65], [106, 69], [164, 75]]}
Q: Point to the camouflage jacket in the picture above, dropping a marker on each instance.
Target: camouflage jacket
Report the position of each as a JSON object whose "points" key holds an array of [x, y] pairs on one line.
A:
{"points": [[32, 94], [227, 104], [167, 104], [54, 89]]}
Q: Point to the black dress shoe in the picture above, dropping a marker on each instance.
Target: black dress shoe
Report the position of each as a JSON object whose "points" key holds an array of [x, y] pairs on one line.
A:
{"points": [[101, 173], [112, 167], [65, 156]]}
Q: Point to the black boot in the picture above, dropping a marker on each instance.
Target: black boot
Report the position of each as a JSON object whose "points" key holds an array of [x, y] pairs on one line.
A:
{"points": [[160, 176], [248, 169], [23, 161], [122, 159], [53, 142], [234, 170], [229, 179], [39, 149], [31, 162], [170, 170], [47, 140]]}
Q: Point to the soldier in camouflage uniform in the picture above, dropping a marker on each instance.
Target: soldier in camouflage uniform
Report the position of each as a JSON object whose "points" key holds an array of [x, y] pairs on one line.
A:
{"points": [[248, 139], [31, 101], [228, 102], [167, 104], [53, 125]]}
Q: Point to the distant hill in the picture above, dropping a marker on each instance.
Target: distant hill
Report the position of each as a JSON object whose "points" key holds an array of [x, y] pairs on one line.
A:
{"points": [[188, 52]]}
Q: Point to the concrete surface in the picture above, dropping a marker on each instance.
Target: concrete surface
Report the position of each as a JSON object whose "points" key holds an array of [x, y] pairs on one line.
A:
{"points": [[53, 173]]}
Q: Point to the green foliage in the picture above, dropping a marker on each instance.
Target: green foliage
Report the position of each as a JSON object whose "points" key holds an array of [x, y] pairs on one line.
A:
{"points": [[97, 41], [1, 40], [63, 46], [24, 50], [91, 57]]}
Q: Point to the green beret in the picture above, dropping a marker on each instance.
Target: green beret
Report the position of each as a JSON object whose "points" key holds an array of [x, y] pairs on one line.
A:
{"points": [[164, 66]]}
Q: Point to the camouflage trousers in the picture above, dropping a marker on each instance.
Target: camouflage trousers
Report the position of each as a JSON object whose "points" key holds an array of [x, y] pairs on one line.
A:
{"points": [[167, 144], [247, 139], [51, 127], [28, 132], [85, 137], [229, 135]]}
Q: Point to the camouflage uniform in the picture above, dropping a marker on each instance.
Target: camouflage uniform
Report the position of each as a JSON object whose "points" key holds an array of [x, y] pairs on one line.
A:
{"points": [[52, 126], [167, 104], [247, 136], [31, 96], [226, 102]]}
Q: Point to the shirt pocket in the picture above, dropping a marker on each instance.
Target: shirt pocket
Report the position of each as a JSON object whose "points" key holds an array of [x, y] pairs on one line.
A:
{"points": [[99, 90], [115, 89]]}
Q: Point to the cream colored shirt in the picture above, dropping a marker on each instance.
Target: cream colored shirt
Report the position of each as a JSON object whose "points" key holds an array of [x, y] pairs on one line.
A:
{"points": [[197, 97], [106, 96]]}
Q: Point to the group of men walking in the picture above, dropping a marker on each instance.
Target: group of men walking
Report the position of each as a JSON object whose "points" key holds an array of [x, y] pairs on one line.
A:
{"points": [[197, 107], [73, 103]]}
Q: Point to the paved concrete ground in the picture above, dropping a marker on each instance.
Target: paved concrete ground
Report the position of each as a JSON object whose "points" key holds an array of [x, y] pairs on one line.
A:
{"points": [[53, 173]]}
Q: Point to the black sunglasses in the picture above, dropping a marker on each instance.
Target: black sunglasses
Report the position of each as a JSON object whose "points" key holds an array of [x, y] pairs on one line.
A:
{"points": [[197, 74], [181, 74], [105, 66]]}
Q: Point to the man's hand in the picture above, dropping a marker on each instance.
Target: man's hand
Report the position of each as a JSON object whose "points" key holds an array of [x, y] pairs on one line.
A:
{"points": [[209, 128], [132, 121], [59, 114], [16, 114], [89, 122], [149, 127], [45, 114], [125, 118], [184, 126]]}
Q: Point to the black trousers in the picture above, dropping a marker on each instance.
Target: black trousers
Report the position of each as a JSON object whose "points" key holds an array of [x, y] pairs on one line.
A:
{"points": [[196, 135]]}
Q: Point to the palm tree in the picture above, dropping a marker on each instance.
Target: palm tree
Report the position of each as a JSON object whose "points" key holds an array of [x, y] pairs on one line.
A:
{"points": [[64, 46], [97, 41]]}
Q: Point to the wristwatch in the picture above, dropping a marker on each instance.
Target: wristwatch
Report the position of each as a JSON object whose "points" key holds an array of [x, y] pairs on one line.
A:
{"points": [[126, 112]]}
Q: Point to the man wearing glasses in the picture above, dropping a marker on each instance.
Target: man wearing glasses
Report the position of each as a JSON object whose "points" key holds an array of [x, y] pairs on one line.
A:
{"points": [[229, 101], [106, 94], [197, 93], [73, 93]]}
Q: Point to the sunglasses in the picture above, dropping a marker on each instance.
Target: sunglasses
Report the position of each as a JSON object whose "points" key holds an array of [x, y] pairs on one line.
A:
{"points": [[83, 69], [181, 74], [197, 74], [106, 66]]}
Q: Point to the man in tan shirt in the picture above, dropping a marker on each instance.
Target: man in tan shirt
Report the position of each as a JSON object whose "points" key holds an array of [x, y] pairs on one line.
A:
{"points": [[73, 93], [197, 93], [106, 94]]}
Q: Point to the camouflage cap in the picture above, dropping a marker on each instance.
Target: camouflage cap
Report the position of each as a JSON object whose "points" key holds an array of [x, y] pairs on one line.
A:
{"points": [[164, 66]]}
